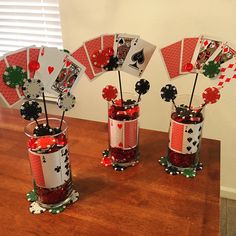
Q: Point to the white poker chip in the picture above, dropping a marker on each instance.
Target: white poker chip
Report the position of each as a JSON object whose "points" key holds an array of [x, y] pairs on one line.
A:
{"points": [[33, 88], [66, 101], [35, 208]]}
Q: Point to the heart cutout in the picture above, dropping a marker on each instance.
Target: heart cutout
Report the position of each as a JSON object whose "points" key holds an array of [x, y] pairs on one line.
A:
{"points": [[194, 143], [120, 144], [189, 148], [189, 139], [50, 69], [119, 126], [68, 63]]}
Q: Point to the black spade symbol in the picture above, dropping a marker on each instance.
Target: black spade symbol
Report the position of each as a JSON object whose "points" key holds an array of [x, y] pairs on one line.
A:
{"points": [[190, 131], [199, 136], [138, 58], [189, 139], [194, 143], [121, 41], [197, 145], [200, 128], [44, 160], [189, 148]]}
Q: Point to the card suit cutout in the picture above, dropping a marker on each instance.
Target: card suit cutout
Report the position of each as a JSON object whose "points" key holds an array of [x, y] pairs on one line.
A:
{"points": [[200, 128], [189, 148], [190, 131], [42, 52], [50, 69], [194, 143], [119, 126], [68, 63], [199, 136], [120, 144], [189, 139]]}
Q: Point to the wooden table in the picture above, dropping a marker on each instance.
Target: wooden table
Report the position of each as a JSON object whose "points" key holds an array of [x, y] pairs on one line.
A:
{"points": [[142, 200]]}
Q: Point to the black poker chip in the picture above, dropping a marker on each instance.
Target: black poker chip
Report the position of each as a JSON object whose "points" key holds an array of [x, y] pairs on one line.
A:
{"points": [[168, 92], [112, 65], [30, 110], [66, 101], [172, 170], [42, 130], [14, 76], [184, 112], [117, 167], [33, 88], [142, 86]]}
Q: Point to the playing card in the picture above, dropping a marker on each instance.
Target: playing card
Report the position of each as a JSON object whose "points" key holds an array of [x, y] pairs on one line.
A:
{"points": [[81, 56], [171, 55], [185, 138], [138, 57], [33, 55], [68, 77], [227, 71], [206, 48], [7, 94], [187, 51], [123, 134], [51, 61], [222, 55], [108, 41], [122, 46], [91, 47], [50, 170]]}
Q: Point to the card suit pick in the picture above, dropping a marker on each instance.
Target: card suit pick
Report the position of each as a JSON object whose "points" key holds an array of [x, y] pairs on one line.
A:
{"points": [[50, 69], [68, 63], [119, 126]]}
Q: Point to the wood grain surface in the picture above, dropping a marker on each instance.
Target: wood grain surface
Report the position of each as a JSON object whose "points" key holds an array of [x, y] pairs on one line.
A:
{"points": [[142, 200]]}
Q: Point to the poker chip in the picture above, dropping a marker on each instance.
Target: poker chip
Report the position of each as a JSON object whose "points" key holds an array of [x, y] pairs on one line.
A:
{"points": [[66, 101], [33, 66], [57, 210], [31, 196], [183, 112], [61, 140], [100, 58], [106, 161], [189, 173], [14, 76], [172, 170], [163, 161], [109, 92], [30, 110], [45, 143], [31, 143], [211, 95], [168, 92], [74, 197], [211, 69], [105, 153], [112, 65], [33, 88], [35, 208], [42, 130], [109, 51], [199, 166], [117, 167], [188, 67], [142, 86]]}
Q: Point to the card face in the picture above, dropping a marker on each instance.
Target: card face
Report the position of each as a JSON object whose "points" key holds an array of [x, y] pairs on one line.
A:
{"points": [[51, 61], [207, 48], [188, 48], [33, 56], [81, 56], [68, 77], [8, 95], [227, 72], [138, 57], [123, 43], [171, 55], [91, 47]]}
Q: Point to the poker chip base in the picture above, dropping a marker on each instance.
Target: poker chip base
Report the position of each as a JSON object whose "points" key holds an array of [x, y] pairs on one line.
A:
{"points": [[174, 170], [36, 208]]}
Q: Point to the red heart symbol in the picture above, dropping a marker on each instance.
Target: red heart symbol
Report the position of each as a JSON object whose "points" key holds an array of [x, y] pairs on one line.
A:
{"points": [[68, 63], [120, 144], [119, 126], [50, 69]]}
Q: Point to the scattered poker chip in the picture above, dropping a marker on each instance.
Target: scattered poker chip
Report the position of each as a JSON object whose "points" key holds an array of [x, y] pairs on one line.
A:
{"points": [[30, 110], [211, 95], [112, 65], [35, 208], [105, 153], [57, 210], [117, 167], [142, 86], [211, 69], [61, 140], [183, 112], [106, 161], [199, 166], [66, 101], [45, 142], [172, 170], [14, 76], [33, 66], [129, 103], [109, 92], [189, 173], [163, 161], [33, 88], [168, 92], [100, 58], [31, 196], [188, 67], [42, 130], [74, 197], [31, 143]]}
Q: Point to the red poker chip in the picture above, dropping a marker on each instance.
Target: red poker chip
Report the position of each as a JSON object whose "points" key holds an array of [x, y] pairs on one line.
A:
{"points": [[109, 51], [61, 140], [109, 92], [188, 67], [45, 142], [31, 143], [106, 161], [100, 58], [211, 95]]}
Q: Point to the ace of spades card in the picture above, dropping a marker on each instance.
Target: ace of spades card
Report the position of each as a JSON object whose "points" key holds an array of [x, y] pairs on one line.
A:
{"points": [[69, 76], [122, 45], [138, 57]]}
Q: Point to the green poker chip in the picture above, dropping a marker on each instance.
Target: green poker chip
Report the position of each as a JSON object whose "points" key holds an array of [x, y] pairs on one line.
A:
{"points": [[57, 210], [189, 173], [14, 76], [211, 69], [31, 196]]}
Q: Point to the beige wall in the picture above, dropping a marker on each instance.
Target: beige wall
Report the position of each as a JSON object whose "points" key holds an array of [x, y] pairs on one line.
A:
{"points": [[161, 22]]}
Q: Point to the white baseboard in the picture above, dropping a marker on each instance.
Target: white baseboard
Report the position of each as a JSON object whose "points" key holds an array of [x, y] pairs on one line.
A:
{"points": [[226, 192]]}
